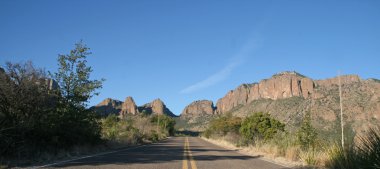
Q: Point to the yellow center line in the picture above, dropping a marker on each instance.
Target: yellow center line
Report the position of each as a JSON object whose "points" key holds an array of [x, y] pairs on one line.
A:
{"points": [[192, 161], [188, 156], [184, 161]]}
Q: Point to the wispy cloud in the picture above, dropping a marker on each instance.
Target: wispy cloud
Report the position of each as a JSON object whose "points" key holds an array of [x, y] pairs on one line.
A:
{"points": [[225, 72]]}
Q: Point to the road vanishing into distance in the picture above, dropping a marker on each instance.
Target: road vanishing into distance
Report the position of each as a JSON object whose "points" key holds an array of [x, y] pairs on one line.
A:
{"points": [[176, 153]]}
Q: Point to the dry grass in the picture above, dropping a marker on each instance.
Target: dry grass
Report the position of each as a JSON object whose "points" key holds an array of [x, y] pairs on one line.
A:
{"points": [[291, 156], [314, 158], [267, 152]]}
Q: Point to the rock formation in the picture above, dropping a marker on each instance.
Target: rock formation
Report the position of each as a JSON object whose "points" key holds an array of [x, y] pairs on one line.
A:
{"points": [[156, 107], [129, 106], [281, 85], [199, 107], [108, 106]]}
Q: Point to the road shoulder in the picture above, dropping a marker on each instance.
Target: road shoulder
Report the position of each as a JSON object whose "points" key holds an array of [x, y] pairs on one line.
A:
{"points": [[279, 160]]}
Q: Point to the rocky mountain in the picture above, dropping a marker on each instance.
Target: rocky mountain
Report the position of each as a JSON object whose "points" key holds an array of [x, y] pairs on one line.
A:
{"points": [[156, 107], [289, 95], [279, 86], [199, 107], [108, 106], [128, 107], [111, 106]]}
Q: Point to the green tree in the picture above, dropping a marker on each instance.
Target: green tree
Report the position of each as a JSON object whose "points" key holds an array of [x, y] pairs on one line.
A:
{"points": [[306, 134], [73, 76], [76, 88], [260, 126]]}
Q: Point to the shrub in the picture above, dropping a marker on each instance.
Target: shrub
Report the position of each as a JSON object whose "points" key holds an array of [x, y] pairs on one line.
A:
{"points": [[154, 136], [110, 127], [223, 125], [260, 126], [306, 134], [165, 122], [368, 149]]}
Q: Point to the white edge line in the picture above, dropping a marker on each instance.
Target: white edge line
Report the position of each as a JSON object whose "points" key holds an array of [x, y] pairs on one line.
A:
{"points": [[89, 156]]}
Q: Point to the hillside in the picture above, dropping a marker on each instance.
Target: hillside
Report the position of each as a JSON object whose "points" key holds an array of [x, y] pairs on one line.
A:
{"points": [[289, 95]]}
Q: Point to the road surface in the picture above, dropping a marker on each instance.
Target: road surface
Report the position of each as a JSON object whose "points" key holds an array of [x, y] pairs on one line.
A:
{"points": [[176, 153]]}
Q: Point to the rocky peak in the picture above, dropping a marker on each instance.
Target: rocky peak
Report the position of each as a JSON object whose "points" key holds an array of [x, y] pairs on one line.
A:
{"points": [[108, 102], [288, 73], [108, 106], [199, 107], [129, 106], [157, 106]]}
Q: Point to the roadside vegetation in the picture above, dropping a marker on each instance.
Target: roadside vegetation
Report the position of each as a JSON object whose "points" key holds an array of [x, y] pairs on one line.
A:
{"points": [[136, 129], [44, 115], [263, 135]]}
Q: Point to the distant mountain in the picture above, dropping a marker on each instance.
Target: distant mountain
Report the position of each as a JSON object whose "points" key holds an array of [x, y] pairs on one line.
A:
{"points": [[199, 107], [289, 95], [110, 106], [157, 106]]}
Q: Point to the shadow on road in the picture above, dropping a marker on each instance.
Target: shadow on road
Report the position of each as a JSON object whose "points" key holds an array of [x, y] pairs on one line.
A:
{"points": [[163, 152]]}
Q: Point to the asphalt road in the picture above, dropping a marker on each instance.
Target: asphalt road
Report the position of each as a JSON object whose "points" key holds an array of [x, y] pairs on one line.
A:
{"points": [[176, 153]]}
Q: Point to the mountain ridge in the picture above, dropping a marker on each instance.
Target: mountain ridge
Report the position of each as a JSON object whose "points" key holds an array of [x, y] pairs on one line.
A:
{"points": [[113, 106], [290, 95]]}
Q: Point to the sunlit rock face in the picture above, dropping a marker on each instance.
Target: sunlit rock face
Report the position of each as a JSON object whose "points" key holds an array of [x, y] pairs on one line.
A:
{"points": [[282, 85], [199, 107], [129, 106]]}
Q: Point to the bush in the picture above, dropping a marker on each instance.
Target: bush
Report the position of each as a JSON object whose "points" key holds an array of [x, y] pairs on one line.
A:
{"points": [[165, 122], [306, 134], [110, 127], [260, 126], [154, 136], [369, 149], [222, 125], [135, 129]]}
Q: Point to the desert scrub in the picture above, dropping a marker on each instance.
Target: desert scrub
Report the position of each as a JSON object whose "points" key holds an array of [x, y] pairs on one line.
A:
{"points": [[364, 154], [134, 129]]}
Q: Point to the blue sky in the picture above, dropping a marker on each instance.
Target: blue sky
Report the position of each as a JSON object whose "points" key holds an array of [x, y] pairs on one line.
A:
{"points": [[181, 51]]}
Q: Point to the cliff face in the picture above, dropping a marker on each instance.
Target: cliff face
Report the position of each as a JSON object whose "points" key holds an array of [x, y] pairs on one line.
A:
{"points": [[129, 106], [200, 107], [282, 85]]}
